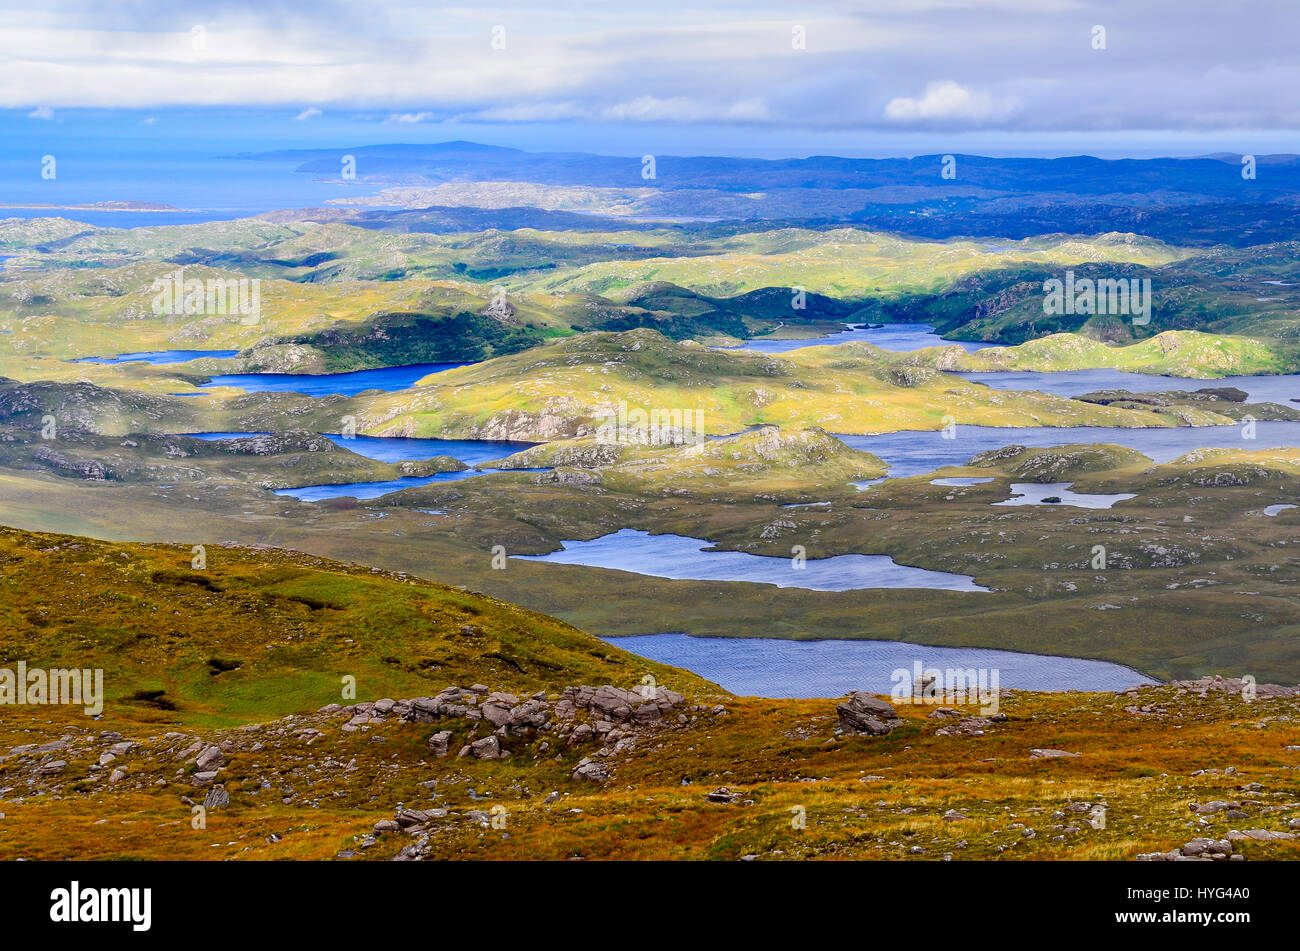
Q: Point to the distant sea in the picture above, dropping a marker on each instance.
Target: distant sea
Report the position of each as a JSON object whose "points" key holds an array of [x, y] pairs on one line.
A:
{"points": [[204, 187]]}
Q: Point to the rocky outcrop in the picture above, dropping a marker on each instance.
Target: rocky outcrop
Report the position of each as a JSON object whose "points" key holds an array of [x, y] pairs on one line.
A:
{"points": [[613, 716], [862, 713]]}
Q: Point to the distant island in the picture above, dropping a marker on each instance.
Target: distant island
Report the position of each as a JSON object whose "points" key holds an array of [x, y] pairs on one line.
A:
{"points": [[101, 206]]}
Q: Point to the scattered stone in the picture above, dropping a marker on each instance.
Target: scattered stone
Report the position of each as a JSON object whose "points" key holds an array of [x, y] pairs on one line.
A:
{"points": [[967, 726], [1052, 754]]}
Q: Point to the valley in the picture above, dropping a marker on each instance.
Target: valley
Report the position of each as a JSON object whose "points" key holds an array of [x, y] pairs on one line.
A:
{"points": [[437, 502]]}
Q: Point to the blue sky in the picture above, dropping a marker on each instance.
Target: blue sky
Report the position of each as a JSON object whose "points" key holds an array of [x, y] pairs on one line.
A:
{"points": [[882, 77]]}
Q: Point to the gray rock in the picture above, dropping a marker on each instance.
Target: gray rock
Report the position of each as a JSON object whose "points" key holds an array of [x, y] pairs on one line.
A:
{"points": [[865, 714], [590, 769], [210, 759], [487, 748], [1260, 835], [440, 743]]}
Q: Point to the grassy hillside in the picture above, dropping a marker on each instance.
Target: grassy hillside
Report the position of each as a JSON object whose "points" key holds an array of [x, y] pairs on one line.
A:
{"points": [[764, 460], [262, 632], [198, 697], [852, 264], [569, 387], [1251, 292], [1184, 353]]}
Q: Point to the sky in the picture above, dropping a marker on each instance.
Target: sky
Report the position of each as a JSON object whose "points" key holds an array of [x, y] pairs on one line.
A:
{"points": [[881, 77]]}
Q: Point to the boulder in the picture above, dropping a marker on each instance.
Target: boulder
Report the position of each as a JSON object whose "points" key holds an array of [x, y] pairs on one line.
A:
{"points": [[590, 769], [440, 743], [487, 748], [864, 714], [210, 760]]}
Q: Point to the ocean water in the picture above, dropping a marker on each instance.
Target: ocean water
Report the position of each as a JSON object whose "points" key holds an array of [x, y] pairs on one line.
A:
{"points": [[203, 181]]}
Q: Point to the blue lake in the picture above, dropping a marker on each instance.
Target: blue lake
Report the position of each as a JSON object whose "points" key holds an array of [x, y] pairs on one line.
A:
{"points": [[769, 667], [371, 490], [394, 449], [683, 559], [1261, 389], [911, 453], [469, 451], [899, 337], [1037, 493], [397, 449], [159, 356], [333, 384]]}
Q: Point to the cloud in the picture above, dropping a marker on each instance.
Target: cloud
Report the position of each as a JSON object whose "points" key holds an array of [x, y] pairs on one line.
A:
{"points": [[309, 113], [888, 65], [148, 120], [947, 100], [684, 109], [41, 112]]}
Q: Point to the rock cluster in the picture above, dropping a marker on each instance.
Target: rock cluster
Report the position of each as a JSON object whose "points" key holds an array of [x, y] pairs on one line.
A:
{"points": [[610, 715], [862, 713], [1197, 850], [1204, 686], [967, 726]]}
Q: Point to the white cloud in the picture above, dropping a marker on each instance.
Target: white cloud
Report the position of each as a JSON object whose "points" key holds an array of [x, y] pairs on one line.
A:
{"points": [[310, 113], [534, 112], [1003, 64], [946, 100], [41, 112], [683, 109]]}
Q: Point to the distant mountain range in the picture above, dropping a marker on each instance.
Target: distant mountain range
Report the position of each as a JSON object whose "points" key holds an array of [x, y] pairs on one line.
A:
{"points": [[1201, 201]]}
